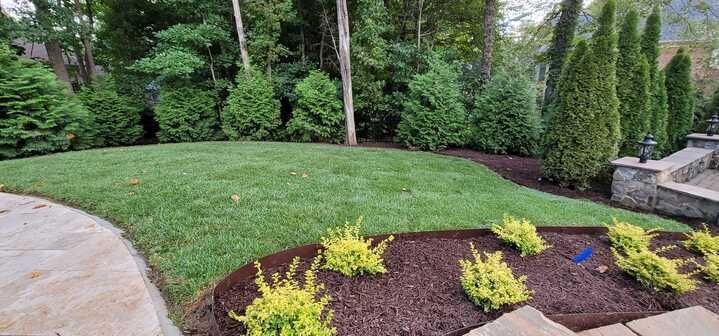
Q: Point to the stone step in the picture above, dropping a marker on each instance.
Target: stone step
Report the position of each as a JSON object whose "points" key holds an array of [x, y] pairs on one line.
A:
{"points": [[610, 330], [525, 321], [694, 321]]}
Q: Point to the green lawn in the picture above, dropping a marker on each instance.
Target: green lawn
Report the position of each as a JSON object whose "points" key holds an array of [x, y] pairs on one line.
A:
{"points": [[182, 218]]}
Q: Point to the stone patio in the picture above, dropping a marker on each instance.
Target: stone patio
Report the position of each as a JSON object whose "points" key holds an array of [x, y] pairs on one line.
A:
{"points": [[65, 272]]}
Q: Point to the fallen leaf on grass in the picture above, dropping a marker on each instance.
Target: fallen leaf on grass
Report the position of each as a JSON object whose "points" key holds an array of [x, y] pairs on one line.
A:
{"points": [[132, 193], [2, 188], [235, 198], [405, 189], [3, 211], [602, 269], [293, 173], [35, 274], [134, 181], [305, 175], [39, 206]]}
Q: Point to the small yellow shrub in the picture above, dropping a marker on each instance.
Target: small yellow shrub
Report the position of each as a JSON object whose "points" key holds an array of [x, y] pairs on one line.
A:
{"points": [[491, 284], [703, 242], [711, 268], [628, 237], [286, 308], [521, 234], [347, 253], [654, 271]]}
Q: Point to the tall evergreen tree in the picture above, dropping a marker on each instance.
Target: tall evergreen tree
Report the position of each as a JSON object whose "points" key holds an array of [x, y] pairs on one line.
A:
{"points": [[650, 41], [658, 93], [660, 109], [680, 99], [632, 85], [560, 49]]}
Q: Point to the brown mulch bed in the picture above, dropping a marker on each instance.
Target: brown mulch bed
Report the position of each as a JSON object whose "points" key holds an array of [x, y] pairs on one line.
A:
{"points": [[421, 294]]}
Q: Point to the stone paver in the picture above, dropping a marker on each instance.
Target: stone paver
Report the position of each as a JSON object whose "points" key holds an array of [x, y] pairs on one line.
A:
{"points": [[694, 321], [63, 272], [610, 330], [525, 321]]}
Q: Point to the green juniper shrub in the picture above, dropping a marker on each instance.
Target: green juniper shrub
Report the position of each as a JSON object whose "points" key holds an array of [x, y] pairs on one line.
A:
{"points": [[117, 119], [490, 283], [656, 272], [318, 112], [286, 307], [711, 268], [702, 242], [252, 112], [346, 252], [37, 115], [521, 234], [628, 237], [505, 119], [433, 114], [186, 114]]}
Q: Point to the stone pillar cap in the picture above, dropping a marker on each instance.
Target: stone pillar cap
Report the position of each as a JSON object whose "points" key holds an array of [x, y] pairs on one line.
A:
{"points": [[651, 165]]}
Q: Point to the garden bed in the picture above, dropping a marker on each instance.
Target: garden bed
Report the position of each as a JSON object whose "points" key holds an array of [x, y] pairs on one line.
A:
{"points": [[421, 295]]}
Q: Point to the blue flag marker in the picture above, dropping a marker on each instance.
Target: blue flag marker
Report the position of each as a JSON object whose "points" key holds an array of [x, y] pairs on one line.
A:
{"points": [[584, 255]]}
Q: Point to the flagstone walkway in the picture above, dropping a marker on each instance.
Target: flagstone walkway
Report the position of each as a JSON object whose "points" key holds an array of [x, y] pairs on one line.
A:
{"points": [[64, 272]]}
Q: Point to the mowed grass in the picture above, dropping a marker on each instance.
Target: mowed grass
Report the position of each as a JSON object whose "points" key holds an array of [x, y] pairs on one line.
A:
{"points": [[181, 215]]}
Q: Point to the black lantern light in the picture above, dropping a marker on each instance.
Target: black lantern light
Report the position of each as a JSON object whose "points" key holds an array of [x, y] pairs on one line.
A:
{"points": [[646, 148], [713, 124]]}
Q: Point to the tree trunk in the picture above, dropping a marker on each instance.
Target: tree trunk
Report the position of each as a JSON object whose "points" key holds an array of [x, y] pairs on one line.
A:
{"points": [[52, 45], [419, 24], [86, 42], [241, 35], [346, 69], [82, 68], [485, 65]]}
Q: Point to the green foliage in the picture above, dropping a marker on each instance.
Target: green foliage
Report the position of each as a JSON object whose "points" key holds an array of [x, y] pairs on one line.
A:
{"points": [[656, 272], [346, 252], [657, 105], [711, 268], [318, 113], [632, 86], [521, 234], [252, 112], [263, 22], [490, 283], [185, 114], [285, 78], [560, 49], [505, 118], [583, 131], [117, 120], [650, 41], [287, 308], [660, 110], [174, 62], [434, 116], [628, 237], [680, 98], [37, 116], [702, 242]]}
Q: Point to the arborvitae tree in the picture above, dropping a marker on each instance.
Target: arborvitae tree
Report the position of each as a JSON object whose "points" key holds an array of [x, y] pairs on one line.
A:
{"points": [[434, 115], [117, 119], [713, 105], [252, 112], [699, 123], [318, 112], [583, 132], [605, 102], [650, 41], [185, 114], [560, 49], [632, 85], [660, 117], [680, 98], [37, 114]]}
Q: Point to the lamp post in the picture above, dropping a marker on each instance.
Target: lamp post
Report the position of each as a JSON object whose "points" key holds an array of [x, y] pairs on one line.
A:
{"points": [[713, 124], [646, 148]]}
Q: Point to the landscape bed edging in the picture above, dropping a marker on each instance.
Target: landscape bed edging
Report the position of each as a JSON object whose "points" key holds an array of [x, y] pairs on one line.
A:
{"points": [[575, 322]]}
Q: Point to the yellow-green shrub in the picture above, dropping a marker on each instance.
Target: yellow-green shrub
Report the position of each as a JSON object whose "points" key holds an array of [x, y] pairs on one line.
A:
{"points": [[490, 283], [520, 234], [628, 237], [347, 253], [711, 268], [703, 242], [286, 308], [654, 271]]}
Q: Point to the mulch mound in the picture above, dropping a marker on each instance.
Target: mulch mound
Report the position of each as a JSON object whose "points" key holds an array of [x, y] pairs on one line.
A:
{"points": [[421, 294]]}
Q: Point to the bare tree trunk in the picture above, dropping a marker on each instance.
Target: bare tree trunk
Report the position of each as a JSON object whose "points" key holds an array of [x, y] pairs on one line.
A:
{"points": [[346, 69], [322, 48], [241, 35], [86, 42], [52, 46], [419, 24], [82, 68], [485, 67]]}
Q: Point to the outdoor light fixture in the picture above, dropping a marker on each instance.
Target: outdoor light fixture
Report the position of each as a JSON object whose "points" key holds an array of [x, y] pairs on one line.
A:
{"points": [[713, 124], [646, 148]]}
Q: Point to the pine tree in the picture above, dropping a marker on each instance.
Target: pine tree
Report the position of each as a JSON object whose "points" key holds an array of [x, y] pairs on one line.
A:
{"points": [[632, 85], [680, 99], [560, 49]]}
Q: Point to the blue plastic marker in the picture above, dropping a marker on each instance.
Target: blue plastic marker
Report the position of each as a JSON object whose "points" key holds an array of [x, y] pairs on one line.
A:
{"points": [[584, 255]]}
